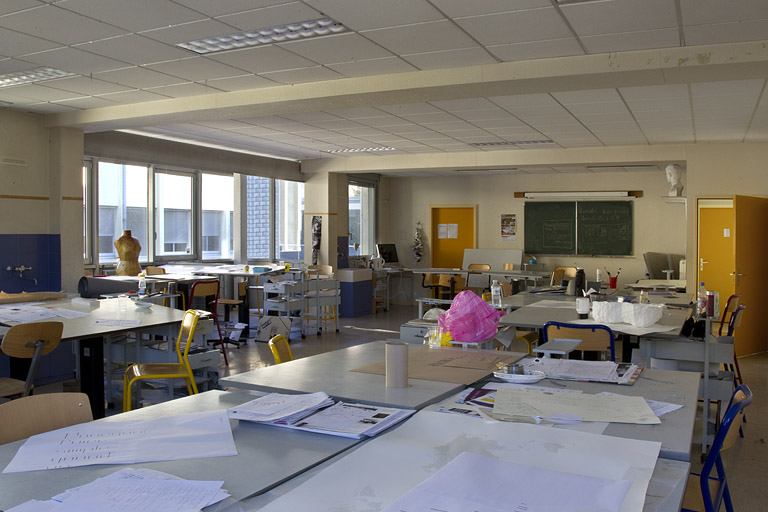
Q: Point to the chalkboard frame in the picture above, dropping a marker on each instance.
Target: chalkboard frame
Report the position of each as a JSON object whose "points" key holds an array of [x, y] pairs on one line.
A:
{"points": [[557, 228]]}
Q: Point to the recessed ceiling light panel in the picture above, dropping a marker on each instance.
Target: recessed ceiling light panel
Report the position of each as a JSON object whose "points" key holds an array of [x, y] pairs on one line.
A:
{"points": [[268, 35], [359, 150], [32, 76]]}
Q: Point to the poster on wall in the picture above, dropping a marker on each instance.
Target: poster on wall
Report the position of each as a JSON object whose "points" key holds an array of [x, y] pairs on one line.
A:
{"points": [[447, 231], [508, 227]]}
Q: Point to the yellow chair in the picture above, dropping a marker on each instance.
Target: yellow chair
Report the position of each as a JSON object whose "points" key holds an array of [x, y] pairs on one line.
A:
{"points": [[280, 348], [153, 271], [242, 289], [28, 341], [560, 274], [205, 289], [508, 266], [180, 370], [473, 278], [450, 284], [36, 414]]}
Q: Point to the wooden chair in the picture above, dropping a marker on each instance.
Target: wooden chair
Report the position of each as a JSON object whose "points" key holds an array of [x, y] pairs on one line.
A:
{"points": [[210, 288], [733, 323], [730, 306], [32, 415], [560, 274], [280, 348], [508, 266], [431, 282], [474, 280], [28, 341], [707, 490], [450, 284], [180, 370], [153, 271], [242, 289], [594, 337]]}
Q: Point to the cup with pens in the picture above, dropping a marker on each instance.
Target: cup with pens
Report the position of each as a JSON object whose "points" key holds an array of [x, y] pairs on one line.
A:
{"points": [[613, 281]]}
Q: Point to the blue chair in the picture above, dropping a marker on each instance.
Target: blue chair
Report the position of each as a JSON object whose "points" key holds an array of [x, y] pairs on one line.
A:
{"points": [[595, 337], [710, 489]]}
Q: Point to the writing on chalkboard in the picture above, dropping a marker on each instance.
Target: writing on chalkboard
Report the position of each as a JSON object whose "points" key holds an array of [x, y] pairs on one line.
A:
{"points": [[583, 227]]}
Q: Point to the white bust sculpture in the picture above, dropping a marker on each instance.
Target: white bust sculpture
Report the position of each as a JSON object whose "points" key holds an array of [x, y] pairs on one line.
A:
{"points": [[673, 177]]}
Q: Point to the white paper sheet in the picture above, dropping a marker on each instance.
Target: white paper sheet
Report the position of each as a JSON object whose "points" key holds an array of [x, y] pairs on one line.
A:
{"points": [[127, 442], [25, 314], [563, 304], [556, 406], [658, 408], [631, 329], [279, 406], [67, 313], [476, 483]]}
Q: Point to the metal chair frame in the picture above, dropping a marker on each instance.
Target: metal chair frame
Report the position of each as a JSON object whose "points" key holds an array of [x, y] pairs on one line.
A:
{"points": [[591, 334]]}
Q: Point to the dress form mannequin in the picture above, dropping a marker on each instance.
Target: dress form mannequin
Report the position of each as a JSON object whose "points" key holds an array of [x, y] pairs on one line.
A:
{"points": [[128, 249]]}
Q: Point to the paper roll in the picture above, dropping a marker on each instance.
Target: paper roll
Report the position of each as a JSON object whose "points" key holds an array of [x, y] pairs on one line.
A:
{"points": [[397, 365]]}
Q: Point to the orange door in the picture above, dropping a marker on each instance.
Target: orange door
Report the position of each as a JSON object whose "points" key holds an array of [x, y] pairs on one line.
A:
{"points": [[751, 227], [452, 231], [716, 248]]}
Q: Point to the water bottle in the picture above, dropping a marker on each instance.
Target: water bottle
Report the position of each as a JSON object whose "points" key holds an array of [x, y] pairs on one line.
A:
{"points": [[142, 285], [701, 301], [495, 294]]}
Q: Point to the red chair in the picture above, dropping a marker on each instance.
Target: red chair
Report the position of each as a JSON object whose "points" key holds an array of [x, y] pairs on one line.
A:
{"points": [[208, 289]]}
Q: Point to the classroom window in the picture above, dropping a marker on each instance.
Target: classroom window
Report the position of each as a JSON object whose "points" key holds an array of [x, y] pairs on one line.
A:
{"points": [[122, 205], [289, 220], [362, 219], [218, 202], [173, 214]]}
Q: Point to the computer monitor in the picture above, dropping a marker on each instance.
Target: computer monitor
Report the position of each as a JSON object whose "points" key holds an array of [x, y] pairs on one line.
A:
{"points": [[388, 252]]}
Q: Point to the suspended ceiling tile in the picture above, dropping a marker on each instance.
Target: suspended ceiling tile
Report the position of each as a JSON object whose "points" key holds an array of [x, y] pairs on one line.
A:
{"points": [[13, 44], [241, 83], [361, 114], [141, 15], [651, 92], [451, 126], [450, 58], [75, 61], [134, 49], [9, 6], [753, 30], [613, 16], [271, 16], [46, 107], [86, 103], [588, 96], [262, 59], [139, 77], [523, 101], [337, 49], [409, 109], [190, 31], [462, 8], [372, 14], [608, 107], [43, 93], [420, 38], [14, 65], [516, 27], [86, 86], [57, 25], [565, 47], [220, 8], [311, 117], [696, 12], [183, 90], [196, 69], [372, 67], [507, 123], [133, 96], [628, 41]]}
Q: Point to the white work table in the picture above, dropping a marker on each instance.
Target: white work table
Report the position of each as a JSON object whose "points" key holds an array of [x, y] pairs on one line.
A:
{"points": [[267, 455], [332, 373]]}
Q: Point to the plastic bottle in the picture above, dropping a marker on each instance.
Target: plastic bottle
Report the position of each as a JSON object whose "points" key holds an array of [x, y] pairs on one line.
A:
{"points": [[495, 294], [580, 285], [142, 285], [701, 300]]}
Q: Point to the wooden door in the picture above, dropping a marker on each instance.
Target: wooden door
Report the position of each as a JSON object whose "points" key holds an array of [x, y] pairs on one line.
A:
{"points": [[716, 248], [751, 227], [452, 230]]}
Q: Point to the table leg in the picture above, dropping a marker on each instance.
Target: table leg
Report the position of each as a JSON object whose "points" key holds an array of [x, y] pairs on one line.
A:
{"points": [[92, 373]]}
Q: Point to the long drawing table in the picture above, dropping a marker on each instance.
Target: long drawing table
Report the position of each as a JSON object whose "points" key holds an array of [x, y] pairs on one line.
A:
{"points": [[372, 474], [90, 337], [332, 373], [267, 455]]}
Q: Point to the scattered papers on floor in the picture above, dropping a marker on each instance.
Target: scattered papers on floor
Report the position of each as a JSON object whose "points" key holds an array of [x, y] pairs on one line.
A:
{"points": [[316, 412], [128, 442], [476, 482], [550, 407], [133, 489]]}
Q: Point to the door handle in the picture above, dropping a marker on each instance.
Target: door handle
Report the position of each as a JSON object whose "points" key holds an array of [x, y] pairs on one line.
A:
{"points": [[736, 275], [701, 264]]}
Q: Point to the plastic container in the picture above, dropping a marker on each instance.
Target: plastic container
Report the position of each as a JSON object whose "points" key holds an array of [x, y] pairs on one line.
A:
{"points": [[142, 285], [495, 294], [581, 283], [701, 300]]}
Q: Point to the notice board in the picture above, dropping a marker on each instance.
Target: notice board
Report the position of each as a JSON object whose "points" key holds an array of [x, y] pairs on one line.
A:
{"points": [[587, 228]]}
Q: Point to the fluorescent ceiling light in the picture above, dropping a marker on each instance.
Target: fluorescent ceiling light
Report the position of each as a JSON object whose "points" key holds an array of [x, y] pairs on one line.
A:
{"points": [[512, 143], [32, 76], [205, 144], [359, 150], [262, 36], [585, 194]]}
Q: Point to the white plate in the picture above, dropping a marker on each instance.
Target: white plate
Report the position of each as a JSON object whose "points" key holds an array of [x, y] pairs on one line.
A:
{"points": [[530, 377], [142, 304]]}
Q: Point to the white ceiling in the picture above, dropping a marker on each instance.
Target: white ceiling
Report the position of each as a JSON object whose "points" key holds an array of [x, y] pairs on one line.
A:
{"points": [[122, 53]]}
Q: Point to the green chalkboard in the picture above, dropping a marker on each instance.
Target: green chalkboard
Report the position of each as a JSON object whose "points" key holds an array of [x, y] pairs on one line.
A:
{"points": [[604, 228], [550, 228], [588, 228]]}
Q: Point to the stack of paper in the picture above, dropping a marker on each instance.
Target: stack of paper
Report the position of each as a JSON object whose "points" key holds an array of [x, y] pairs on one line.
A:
{"points": [[315, 412], [593, 371], [132, 489], [276, 407]]}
